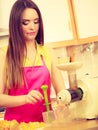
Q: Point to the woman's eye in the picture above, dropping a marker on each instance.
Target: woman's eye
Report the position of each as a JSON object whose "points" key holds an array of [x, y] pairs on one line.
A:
{"points": [[36, 21], [25, 22]]}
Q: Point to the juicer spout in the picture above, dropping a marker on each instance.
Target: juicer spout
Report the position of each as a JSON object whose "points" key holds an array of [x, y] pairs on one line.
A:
{"points": [[76, 95]]}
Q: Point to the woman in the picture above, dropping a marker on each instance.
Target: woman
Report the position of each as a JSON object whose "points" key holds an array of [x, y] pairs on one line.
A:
{"points": [[26, 65]]}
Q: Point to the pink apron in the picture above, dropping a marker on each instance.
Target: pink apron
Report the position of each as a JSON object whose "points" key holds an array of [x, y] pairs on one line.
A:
{"points": [[35, 76]]}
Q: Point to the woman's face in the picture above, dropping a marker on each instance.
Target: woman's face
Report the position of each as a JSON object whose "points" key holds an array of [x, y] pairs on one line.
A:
{"points": [[30, 24]]}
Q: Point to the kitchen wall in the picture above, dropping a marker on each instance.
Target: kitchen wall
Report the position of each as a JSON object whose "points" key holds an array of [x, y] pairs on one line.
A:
{"points": [[52, 19], [87, 54], [3, 40], [5, 12]]}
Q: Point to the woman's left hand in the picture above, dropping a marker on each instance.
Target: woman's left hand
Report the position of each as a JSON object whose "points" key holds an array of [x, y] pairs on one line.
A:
{"points": [[33, 97]]}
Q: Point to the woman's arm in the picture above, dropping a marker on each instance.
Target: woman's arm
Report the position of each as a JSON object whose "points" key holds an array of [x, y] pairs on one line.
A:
{"points": [[57, 78], [63, 95], [5, 100], [12, 101], [2, 64]]}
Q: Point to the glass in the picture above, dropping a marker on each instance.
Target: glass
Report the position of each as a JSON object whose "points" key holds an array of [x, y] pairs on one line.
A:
{"points": [[49, 116]]}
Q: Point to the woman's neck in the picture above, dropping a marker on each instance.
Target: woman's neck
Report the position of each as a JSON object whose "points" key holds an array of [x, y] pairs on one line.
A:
{"points": [[31, 45], [31, 51]]}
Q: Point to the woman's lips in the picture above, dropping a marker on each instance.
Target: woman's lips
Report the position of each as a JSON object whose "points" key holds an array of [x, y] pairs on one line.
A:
{"points": [[32, 33]]}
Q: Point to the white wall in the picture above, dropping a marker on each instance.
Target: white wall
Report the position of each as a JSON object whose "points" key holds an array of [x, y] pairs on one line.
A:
{"points": [[5, 7], [55, 17], [3, 41]]}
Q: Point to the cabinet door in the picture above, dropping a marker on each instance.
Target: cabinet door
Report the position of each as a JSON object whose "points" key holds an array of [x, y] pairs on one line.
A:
{"points": [[56, 19], [86, 19], [5, 7]]}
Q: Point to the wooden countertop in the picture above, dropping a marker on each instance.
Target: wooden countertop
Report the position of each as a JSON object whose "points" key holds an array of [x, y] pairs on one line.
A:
{"points": [[1, 115], [75, 125]]}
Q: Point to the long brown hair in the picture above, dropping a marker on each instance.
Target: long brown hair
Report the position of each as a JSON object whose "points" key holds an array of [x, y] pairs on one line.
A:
{"points": [[17, 46]]}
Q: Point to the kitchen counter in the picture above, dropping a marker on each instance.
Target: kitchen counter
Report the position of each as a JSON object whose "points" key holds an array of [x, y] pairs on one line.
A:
{"points": [[75, 125], [1, 115]]}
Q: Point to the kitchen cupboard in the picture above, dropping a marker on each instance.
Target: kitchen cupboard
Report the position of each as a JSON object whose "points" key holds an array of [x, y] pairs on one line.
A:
{"points": [[66, 22], [85, 14], [5, 7], [55, 15], [84, 20], [56, 19]]}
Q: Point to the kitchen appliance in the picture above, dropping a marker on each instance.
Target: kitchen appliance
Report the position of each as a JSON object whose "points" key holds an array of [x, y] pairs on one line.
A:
{"points": [[87, 106]]}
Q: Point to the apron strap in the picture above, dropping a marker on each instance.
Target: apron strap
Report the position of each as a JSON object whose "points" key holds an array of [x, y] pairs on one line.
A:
{"points": [[42, 58]]}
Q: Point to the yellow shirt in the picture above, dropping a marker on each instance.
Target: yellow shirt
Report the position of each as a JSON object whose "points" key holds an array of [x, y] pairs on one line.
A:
{"points": [[41, 50]]}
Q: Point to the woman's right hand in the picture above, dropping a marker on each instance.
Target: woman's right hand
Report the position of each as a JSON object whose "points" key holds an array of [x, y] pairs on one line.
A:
{"points": [[33, 97]]}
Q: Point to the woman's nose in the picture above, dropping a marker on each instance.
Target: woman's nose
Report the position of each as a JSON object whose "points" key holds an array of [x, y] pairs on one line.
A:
{"points": [[32, 25]]}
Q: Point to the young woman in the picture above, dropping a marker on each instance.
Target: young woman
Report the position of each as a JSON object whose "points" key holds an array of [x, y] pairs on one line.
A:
{"points": [[27, 65]]}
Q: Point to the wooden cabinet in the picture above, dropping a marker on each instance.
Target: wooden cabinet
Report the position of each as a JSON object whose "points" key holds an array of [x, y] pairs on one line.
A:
{"points": [[84, 22], [66, 22], [85, 15], [5, 7], [56, 19]]}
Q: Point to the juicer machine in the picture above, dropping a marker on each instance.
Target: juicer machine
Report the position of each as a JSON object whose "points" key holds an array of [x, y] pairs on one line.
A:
{"points": [[84, 94]]}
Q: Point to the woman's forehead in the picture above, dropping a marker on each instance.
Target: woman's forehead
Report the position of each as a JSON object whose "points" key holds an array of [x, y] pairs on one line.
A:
{"points": [[30, 13]]}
